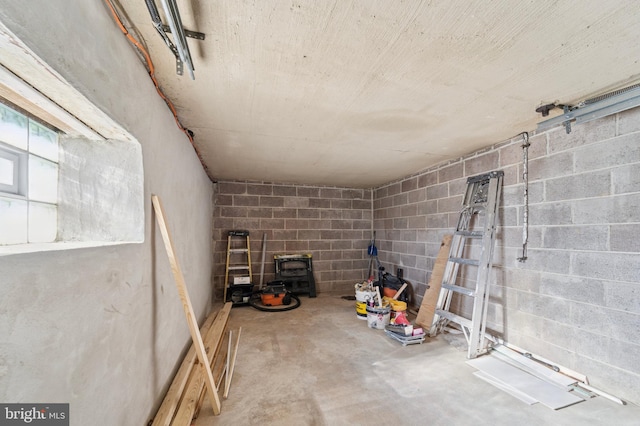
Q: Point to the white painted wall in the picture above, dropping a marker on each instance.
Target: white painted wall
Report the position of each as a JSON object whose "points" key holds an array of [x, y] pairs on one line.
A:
{"points": [[100, 191], [103, 328]]}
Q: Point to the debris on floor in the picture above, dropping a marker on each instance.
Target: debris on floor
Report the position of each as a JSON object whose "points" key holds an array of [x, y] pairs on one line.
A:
{"points": [[528, 378], [386, 313]]}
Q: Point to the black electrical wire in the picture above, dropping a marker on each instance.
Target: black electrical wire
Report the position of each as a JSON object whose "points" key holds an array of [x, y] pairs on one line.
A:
{"points": [[256, 302]]}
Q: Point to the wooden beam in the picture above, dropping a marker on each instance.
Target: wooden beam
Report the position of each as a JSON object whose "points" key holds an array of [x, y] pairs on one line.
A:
{"points": [[191, 400], [232, 365], [399, 292], [227, 367], [430, 298], [172, 398], [186, 303], [218, 367]]}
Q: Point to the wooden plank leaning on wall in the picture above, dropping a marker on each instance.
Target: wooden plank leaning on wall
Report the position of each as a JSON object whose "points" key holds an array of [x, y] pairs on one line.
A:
{"points": [[192, 322]]}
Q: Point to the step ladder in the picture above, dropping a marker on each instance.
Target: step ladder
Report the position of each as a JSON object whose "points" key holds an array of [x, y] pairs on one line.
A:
{"points": [[238, 248], [468, 268]]}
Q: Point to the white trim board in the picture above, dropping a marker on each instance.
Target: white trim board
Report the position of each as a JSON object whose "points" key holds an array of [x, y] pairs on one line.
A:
{"points": [[532, 367], [506, 388], [65, 102], [549, 395]]}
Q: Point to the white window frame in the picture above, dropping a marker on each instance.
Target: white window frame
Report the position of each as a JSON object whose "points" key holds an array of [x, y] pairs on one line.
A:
{"points": [[22, 186], [19, 161]]}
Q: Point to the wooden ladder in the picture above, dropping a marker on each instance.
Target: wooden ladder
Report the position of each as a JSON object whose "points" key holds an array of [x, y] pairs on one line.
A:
{"points": [[238, 247]]}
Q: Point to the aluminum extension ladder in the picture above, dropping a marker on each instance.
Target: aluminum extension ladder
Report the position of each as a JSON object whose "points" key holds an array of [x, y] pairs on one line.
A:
{"points": [[471, 249], [238, 246]]}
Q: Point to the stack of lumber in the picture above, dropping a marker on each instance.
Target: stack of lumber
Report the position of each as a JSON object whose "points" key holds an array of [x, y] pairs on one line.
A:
{"points": [[186, 394]]}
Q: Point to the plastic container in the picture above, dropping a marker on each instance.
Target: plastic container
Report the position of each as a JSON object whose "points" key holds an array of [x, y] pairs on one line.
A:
{"points": [[378, 317], [362, 297], [361, 310]]}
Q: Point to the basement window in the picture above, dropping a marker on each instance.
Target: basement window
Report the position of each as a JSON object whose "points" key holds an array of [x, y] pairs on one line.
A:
{"points": [[28, 179], [70, 176]]}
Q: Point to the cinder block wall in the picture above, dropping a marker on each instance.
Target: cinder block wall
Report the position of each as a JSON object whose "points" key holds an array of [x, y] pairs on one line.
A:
{"points": [[576, 300], [333, 224]]}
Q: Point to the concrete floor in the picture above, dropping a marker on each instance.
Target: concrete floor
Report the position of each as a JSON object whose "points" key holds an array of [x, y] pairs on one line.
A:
{"points": [[320, 365]]}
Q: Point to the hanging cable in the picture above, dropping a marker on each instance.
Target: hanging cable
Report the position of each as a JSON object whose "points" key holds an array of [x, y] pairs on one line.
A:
{"points": [[525, 207], [151, 71]]}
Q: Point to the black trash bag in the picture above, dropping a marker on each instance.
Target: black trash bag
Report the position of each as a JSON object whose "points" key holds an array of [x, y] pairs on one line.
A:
{"points": [[394, 283]]}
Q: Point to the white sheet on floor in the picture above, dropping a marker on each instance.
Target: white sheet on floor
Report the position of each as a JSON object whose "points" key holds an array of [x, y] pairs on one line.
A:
{"points": [[506, 388], [532, 367], [550, 395]]}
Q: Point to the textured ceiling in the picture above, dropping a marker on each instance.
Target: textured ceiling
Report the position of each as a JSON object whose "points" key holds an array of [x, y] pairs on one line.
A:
{"points": [[360, 93]]}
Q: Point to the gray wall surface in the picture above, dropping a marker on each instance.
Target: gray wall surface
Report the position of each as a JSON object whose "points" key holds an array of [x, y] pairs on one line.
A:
{"points": [[103, 328], [100, 191], [576, 300]]}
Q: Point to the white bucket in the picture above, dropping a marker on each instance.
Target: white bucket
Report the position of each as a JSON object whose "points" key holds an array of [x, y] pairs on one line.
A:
{"points": [[378, 317], [364, 296]]}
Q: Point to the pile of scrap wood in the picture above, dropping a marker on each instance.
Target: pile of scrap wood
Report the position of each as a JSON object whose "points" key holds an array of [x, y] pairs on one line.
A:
{"points": [[426, 313], [187, 393]]}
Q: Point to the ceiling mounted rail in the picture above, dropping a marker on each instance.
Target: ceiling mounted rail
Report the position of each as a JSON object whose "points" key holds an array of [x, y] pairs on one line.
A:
{"points": [[190, 34], [591, 109], [178, 46]]}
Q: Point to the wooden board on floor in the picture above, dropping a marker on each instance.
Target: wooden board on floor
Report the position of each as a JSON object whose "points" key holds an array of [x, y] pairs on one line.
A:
{"points": [[430, 299], [191, 398], [232, 365], [171, 400], [218, 369], [186, 304]]}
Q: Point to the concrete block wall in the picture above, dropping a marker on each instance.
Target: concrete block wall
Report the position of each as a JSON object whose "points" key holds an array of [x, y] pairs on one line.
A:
{"points": [[333, 224], [576, 300]]}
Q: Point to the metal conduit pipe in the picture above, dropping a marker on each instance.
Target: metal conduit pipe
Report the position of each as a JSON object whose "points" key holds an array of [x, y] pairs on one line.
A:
{"points": [[525, 207]]}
